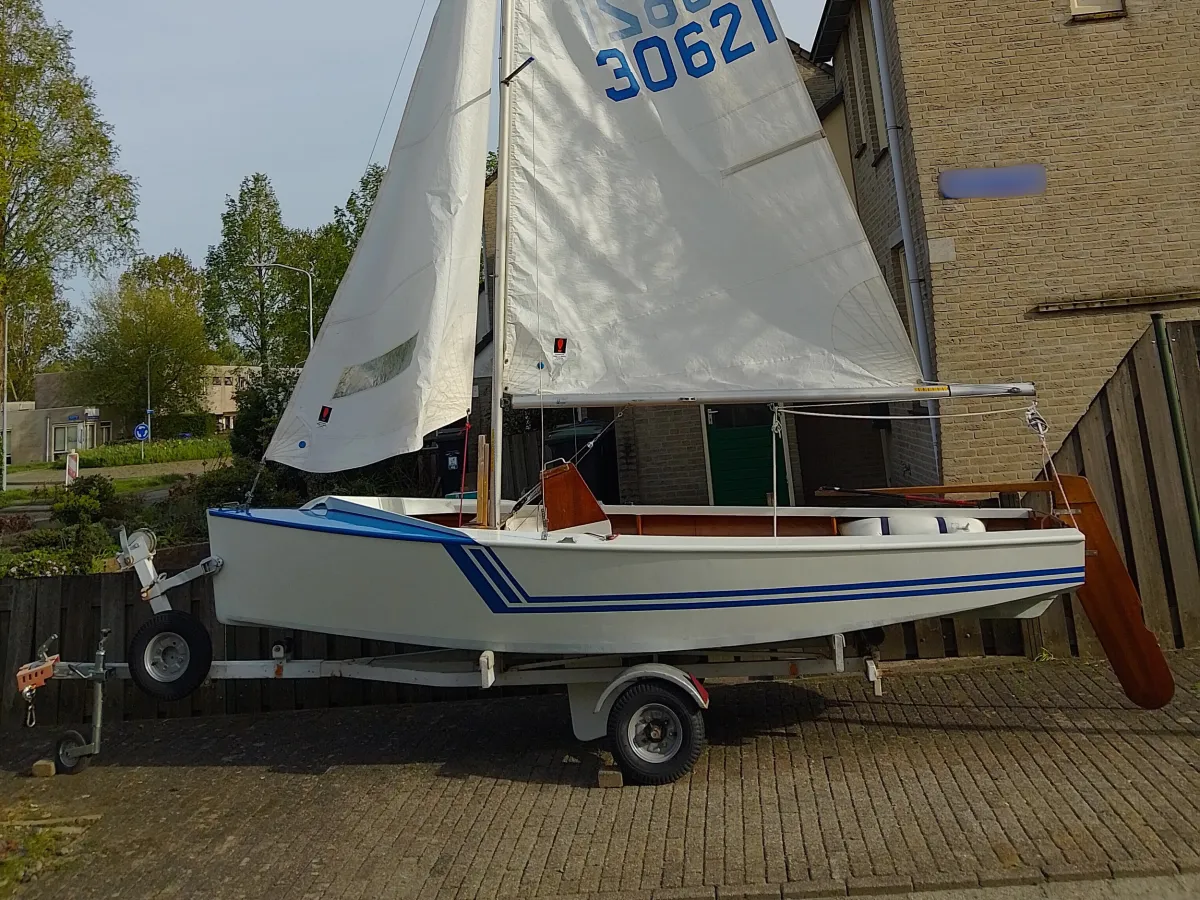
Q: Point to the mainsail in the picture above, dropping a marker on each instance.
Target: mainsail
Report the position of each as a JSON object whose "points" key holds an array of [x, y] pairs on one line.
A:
{"points": [[678, 224], [394, 357]]}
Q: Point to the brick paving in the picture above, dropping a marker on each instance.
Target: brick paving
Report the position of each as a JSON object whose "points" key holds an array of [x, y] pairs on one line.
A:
{"points": [[964, 773]]}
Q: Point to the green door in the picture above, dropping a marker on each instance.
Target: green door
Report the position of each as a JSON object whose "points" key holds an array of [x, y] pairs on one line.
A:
{"points": [[739, 456]]}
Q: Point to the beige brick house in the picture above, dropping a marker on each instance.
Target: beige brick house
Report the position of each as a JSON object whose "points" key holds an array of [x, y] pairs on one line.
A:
{"points": [[1054, 287]]}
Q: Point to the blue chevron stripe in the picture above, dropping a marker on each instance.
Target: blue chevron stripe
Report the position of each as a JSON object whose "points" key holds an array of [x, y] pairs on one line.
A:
{"points": [[503, 593]]}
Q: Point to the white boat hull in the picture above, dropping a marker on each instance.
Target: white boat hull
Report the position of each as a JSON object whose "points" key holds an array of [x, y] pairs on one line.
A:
{"points": [[373, 574]]}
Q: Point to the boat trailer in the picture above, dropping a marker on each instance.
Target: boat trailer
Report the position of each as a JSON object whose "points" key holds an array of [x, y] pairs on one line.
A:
{"points": [[650, 706]]}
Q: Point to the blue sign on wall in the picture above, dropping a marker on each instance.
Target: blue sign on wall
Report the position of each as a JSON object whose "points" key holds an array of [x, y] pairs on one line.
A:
{"points": [[993, 183], [141, 431]]}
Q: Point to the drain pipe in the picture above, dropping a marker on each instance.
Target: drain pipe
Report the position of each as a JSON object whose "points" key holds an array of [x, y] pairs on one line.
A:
{"points": [[1181, 441], [916, 302]]}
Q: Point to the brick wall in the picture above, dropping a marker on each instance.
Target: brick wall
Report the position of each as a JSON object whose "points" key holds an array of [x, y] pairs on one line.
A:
{"points": [[912, 450], [1110, 108], [660, 456]]}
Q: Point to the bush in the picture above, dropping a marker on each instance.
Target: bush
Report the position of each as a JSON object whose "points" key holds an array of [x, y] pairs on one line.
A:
{"points": [[182, 518], [89, 499], [130, 454], [194, 425], [73, 550], [75, 508], [261, 400]]}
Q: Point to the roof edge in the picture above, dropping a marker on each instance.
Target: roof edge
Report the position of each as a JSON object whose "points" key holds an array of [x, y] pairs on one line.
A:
{"points": [[834, 18]]}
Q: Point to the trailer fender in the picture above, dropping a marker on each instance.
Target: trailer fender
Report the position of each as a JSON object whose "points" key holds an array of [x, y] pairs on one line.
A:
{"points": [[591, 702], [652, 672]]}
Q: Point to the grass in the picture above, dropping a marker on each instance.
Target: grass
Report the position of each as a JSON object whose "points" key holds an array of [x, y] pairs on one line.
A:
{"points": [[155, 452], [14, 497], [26, 851], [145, 482]]}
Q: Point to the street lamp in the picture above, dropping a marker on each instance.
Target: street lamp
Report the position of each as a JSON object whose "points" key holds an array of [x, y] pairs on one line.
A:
{"points": [[153, 353], [311, 276]]}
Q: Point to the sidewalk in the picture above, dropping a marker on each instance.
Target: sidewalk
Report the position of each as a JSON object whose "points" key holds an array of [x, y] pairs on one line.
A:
{"points": [[964, 773]]}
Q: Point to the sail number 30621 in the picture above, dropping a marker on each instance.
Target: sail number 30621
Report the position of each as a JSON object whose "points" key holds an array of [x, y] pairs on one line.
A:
{"points": [[654, 58]]}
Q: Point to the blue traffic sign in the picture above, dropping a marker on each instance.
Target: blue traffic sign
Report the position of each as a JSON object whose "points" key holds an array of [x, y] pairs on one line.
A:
{"points": [[141, 431]]}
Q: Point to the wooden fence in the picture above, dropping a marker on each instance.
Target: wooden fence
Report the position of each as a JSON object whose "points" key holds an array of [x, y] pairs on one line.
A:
{"points": [[1124, 444], [78, 607]]}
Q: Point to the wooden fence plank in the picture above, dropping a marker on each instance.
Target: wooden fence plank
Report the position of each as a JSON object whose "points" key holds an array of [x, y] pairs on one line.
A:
{"points": [[1187, 373], [346, 691], [280, 693], [1164, 458], [48, 622], [1049, 631], [1135, 482], [112, 617], [210, 698], [1186, 360], [968, 635], [78, 644], [312, 693], [1092, 458], [138, 704], [1068, 461], [1099, 469], [930, 644], [19, 650], [247, 693]]}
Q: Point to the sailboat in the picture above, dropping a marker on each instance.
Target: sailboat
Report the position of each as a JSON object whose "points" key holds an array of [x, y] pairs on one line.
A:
{"points": [[672, 229]]}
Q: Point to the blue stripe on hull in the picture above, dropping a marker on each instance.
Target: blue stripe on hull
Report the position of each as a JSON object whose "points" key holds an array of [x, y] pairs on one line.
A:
{"points": [[484, 570]]}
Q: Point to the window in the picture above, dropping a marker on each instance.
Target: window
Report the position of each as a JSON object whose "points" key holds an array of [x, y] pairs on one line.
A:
{"points": [[229, 380], [873, 71], [106, 432], [216, 381], [1089, 9], [900, 291]]}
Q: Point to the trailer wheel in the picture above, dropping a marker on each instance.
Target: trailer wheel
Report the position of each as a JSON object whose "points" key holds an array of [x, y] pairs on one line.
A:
{"points": [[70, 765], [657, 733], [170, 655]]}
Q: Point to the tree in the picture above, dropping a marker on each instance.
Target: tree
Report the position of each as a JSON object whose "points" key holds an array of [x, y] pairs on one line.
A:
{"points": [[40, 319], [148, 320], [64, 204], [352, 218], [243, 302], [261, 400], [326, 252]]}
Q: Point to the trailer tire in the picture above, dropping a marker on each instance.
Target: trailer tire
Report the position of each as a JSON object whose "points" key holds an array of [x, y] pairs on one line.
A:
{"points": [[657, 732], [70, 765], [170, 655]]}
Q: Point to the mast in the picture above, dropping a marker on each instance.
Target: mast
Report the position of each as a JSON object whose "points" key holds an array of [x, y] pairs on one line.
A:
{"points": [[500, 304]]}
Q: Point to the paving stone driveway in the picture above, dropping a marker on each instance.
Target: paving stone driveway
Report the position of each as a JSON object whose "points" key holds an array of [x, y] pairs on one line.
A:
{"points": [[963, 773]]}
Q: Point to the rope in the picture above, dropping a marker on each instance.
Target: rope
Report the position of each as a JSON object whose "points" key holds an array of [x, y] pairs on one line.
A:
{"points": [[412, 35], [776, 431], [262, 464], [580, 454], [1038, 424]]}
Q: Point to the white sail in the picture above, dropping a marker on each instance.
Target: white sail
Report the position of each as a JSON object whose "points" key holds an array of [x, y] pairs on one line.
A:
{"points": [[678, 223], [394, 357]]}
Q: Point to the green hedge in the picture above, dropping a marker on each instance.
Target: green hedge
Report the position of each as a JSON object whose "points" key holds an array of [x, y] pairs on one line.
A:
{"points": [[130, 454], [196, 425]]}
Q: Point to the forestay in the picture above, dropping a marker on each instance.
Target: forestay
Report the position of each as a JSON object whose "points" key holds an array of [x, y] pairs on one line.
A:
{"points": [[678, 223], [394, 357]]}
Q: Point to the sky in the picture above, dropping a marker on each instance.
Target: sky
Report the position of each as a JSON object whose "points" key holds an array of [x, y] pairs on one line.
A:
{"points": [[201, 94]]}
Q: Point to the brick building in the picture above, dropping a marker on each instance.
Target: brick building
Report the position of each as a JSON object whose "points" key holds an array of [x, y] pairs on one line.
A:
{"points": [[1054, 287]]}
